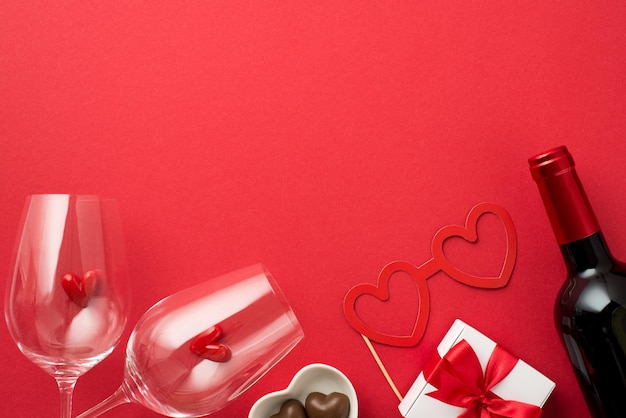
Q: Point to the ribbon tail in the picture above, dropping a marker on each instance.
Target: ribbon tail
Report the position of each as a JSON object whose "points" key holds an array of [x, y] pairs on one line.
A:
{"points": [[512, 409], [474, 412]]}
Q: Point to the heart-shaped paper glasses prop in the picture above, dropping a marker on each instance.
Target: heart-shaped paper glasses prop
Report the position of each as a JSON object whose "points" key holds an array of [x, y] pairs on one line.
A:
{"points": [[439, 262]]}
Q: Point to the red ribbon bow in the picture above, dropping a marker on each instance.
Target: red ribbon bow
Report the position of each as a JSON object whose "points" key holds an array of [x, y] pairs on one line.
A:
{"points": [[459, 380]]}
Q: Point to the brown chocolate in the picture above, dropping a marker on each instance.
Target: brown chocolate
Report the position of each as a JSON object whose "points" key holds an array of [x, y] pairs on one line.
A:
{"points": [[333, 405], [291, 408]]}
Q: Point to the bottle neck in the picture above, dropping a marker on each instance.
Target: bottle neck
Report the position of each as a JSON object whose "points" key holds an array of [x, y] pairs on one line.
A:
{"points": [[589, 253], [564, 198]]}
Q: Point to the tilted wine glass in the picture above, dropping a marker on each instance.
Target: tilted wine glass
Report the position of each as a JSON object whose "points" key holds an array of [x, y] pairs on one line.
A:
{"points": [[195, 351], [66, 303]]}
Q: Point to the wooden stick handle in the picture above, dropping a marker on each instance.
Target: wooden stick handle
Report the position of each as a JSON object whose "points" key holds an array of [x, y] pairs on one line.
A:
{"points": [[382, 368]]}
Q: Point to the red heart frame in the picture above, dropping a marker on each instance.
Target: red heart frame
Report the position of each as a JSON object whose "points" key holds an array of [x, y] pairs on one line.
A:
{"points": [[428, 269], [381, 292], [470, 234]]}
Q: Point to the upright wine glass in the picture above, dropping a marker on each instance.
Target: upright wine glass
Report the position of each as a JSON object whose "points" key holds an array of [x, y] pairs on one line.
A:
{"points": [[66, 303], [195, 351]]}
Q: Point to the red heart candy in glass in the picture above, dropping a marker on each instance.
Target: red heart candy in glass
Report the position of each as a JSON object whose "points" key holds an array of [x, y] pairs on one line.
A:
{"points": [[381, 292], [80, 289], [207, 345]]}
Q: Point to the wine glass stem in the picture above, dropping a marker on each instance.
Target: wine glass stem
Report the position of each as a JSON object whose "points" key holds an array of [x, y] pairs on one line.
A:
{"points": [[119, 397], [66, 389]]}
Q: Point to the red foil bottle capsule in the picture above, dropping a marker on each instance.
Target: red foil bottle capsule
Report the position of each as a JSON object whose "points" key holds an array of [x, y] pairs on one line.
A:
{"points": [[590, 309]]}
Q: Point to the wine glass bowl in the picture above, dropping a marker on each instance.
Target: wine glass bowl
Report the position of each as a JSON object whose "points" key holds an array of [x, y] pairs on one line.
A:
{"points": [[195, 351], [66, 303], [68, 339]]}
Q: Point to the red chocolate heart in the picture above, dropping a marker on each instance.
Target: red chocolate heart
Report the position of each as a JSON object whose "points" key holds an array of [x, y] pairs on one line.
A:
{"points": [[381, 292], [207, 345], [469, 234], [80, 289], [334, 405], [291, 408]]}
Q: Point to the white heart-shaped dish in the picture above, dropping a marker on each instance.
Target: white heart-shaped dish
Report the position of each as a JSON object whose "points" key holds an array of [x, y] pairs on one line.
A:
{"points": [[312, 378]]}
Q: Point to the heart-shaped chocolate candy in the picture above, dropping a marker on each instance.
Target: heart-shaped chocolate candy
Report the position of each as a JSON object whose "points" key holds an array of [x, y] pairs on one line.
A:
{"points": [[333, 405], [291, 408]]}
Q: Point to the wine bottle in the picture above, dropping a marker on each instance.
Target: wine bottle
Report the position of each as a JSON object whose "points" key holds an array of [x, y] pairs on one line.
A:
{"points": [[590, 309]]}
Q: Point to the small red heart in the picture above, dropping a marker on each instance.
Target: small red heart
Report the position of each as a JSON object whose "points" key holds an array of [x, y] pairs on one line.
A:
{"points": [[207, 345], [80, 289], [381, 292], [469, 234]]}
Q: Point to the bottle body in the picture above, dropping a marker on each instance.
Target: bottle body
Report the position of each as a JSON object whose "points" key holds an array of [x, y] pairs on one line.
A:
{"points": [[590, 309], [590, 315]]}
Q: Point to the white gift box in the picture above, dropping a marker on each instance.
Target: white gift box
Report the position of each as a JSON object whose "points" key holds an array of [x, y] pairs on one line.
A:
{"points": [[522, 384]]}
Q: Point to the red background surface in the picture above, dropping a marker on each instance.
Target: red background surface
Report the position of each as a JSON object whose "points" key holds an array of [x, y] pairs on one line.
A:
{"points": [[323, 139]]}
